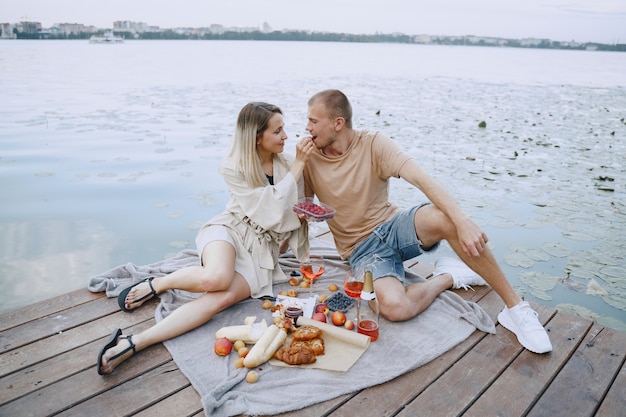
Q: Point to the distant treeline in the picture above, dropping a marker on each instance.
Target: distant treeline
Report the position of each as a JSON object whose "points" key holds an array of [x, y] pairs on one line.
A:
{"points": [[168, 34]]}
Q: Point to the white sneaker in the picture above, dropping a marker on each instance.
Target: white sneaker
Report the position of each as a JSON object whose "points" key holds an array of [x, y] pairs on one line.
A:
{"points": [[462, 275], [522, 320]]}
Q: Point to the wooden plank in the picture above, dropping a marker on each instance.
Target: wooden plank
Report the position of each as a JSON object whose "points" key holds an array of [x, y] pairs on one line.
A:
{"points": [[519, 386], [583, 382], [185, 402], [614, 403], [326, 235], [58, 343], [471, 375], [58, 367], [390, 398], [47, 307], [57, 323], [374, 403], [422, 269], [319, 409], [53, 371], [134, 395], [87, 384]]}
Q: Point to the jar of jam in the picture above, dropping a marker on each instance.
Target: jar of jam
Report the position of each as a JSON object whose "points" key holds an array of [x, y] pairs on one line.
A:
{"points": [[293, 313]]}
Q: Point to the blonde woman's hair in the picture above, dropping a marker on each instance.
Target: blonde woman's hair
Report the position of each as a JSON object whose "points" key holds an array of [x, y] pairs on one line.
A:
{"points": [[252, 122]]}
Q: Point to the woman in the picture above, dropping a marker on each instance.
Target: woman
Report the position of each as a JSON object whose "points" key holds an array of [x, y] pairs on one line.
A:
{"points": [[239, 248]]}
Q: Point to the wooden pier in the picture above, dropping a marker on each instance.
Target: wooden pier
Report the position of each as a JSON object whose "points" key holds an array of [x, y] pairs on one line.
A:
{"points": [[48, 368]]}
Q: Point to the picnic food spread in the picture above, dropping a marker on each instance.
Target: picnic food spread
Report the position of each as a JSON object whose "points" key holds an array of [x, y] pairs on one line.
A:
{"points": [[292, 340], [269, 341]]}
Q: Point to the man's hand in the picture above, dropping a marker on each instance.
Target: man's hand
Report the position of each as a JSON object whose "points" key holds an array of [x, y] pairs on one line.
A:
{"points": [[473, 239]]}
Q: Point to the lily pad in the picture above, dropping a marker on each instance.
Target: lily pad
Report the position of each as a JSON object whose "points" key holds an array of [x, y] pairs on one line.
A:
{"points": [[556, 249], [539, 283], [518, 259]]}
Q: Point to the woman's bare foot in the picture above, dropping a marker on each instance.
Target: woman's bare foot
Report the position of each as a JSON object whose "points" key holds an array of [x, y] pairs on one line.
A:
{"points": [[124, 349], [139, 294]]}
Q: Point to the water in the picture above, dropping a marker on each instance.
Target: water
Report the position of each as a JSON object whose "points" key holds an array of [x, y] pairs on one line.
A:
{"points": [[108, 153]]}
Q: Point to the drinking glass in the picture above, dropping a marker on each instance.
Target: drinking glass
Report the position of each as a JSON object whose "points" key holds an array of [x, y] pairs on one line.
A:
{"points": [[312, 267], [352, 286]]}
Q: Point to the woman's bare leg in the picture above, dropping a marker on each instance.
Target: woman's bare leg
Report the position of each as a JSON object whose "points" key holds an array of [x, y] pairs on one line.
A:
{"points": [[213, 275], [217, 256]]}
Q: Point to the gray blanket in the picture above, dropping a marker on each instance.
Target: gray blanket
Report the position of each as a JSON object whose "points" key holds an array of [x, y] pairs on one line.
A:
{"points": [[401, 347]]}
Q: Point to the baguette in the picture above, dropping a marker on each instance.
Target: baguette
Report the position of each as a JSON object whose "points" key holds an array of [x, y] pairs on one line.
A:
{"points": [[271, 340], [248, 333]]}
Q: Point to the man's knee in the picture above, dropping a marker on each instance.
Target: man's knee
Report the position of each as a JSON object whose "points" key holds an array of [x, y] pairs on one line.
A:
{"points": [[396, 309], [432, 225]]}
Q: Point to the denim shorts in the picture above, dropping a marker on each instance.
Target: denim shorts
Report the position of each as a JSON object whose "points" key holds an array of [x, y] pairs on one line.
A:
{"points": [[389, 245]]}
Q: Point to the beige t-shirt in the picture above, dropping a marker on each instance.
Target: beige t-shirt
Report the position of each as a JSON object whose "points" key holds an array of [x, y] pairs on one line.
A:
{"points": [[356, 184]]}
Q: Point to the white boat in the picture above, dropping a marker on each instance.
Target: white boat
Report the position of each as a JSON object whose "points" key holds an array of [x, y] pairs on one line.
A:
{"points": [[108, 37]]}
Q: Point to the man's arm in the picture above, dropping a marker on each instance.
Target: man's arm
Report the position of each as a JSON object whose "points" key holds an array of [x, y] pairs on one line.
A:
{"points": [[471, 236]]}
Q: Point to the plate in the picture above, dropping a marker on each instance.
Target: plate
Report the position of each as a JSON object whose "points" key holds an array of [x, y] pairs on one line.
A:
{"points": [[312, 211]]}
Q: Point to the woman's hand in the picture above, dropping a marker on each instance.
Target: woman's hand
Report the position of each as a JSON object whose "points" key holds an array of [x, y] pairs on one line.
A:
{"points": [[304, 148]]}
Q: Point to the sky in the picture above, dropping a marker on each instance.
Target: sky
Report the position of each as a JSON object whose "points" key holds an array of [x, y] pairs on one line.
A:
{"points": [[601, 21]]}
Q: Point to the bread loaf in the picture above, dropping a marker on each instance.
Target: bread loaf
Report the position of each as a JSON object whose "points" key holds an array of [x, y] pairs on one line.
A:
{"points": [[299, 354]]}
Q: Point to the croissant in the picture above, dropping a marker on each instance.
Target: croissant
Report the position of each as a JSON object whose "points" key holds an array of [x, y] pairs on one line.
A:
{"points": [[317, 345], [296, 355], [298, 343], [307, 333]]}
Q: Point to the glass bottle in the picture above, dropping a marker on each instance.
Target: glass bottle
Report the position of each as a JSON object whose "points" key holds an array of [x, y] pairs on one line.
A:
{"points": [[368, 316]]}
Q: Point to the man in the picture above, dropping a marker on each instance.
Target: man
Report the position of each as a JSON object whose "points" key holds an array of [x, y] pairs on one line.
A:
{"points": [[350, 171]]}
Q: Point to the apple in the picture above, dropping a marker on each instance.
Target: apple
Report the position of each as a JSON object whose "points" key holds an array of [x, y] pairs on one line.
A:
{"points": [[294, 281], [319, 308], [338, 318], [292, 293], [304, 284], [319, 317], [322, 298], [267, 304], [333, 287], [223, 346], [349, 325]]}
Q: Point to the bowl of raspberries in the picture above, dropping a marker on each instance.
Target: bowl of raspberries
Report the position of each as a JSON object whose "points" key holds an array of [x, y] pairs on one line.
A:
{"points": [[312, 211]]}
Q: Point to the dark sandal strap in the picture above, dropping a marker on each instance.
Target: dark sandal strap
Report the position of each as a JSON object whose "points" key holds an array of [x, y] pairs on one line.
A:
{"points": [[152, 292], [131, 347]]}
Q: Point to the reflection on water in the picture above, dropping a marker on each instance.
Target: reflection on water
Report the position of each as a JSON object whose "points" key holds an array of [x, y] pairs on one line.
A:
{"points": [[43, 257], [112, 158]]}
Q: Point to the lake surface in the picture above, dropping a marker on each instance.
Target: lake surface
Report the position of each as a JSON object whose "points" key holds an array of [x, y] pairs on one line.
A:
{"points": [[109, 153]]}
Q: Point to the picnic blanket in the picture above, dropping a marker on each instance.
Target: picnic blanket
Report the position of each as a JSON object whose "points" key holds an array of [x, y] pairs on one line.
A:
{"points": [[401, 347]]}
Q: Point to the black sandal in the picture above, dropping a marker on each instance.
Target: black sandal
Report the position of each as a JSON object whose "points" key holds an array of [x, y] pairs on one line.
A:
{"points": [[121, 299], [112, 342]]}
